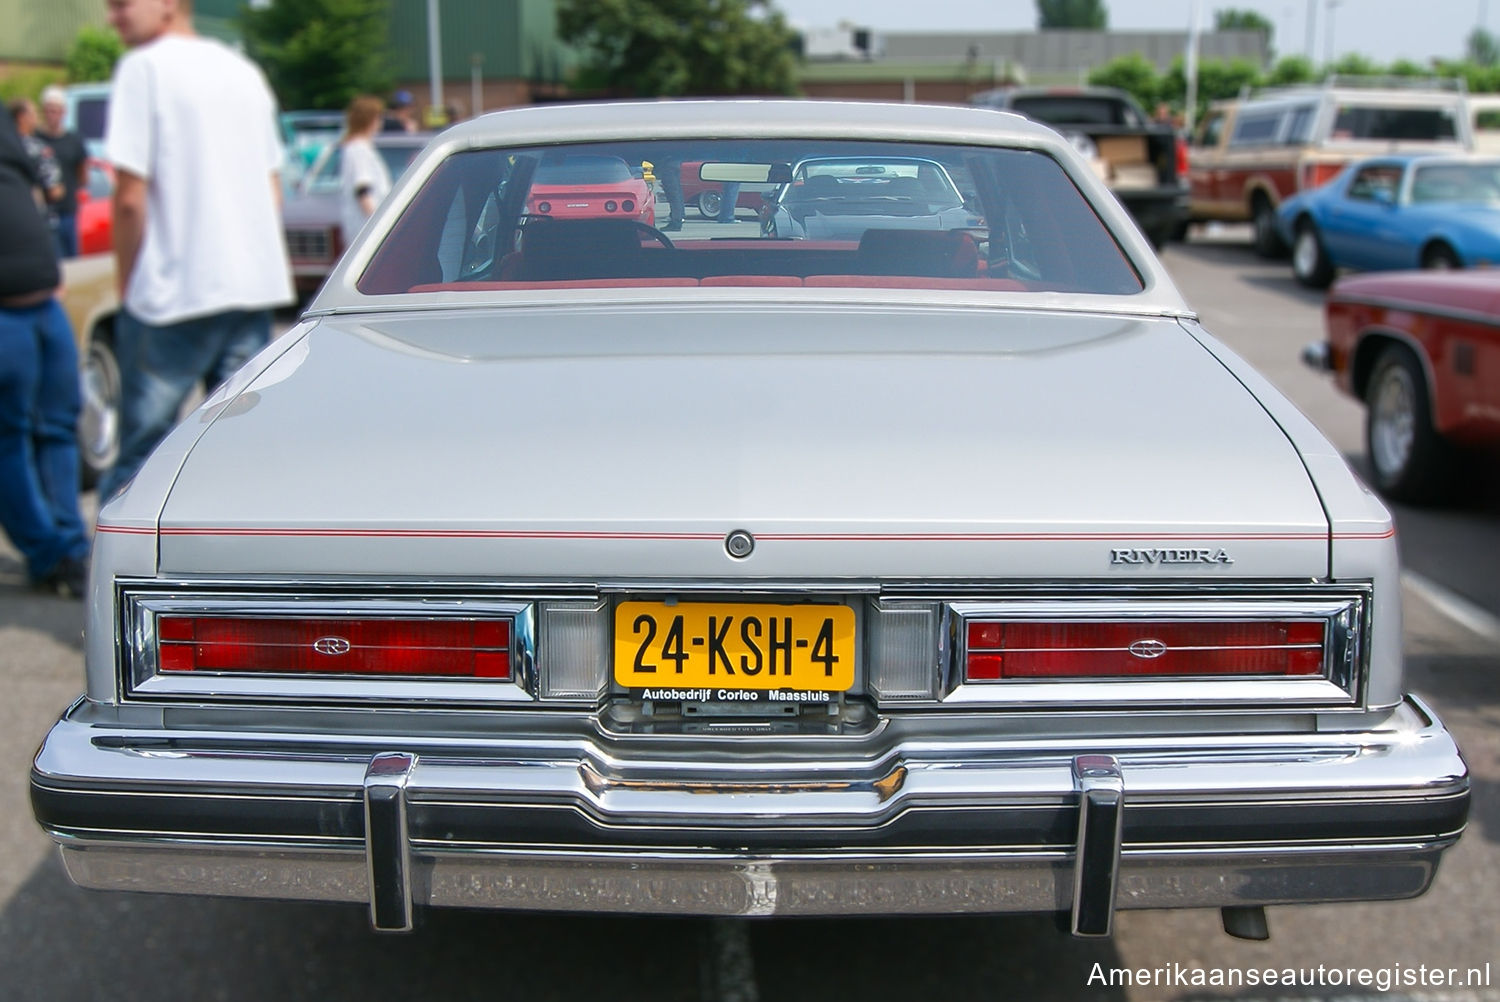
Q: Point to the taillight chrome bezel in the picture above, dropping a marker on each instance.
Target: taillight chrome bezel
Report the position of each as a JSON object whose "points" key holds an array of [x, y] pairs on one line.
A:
{"points": [[142, 677], [1339, 686]]}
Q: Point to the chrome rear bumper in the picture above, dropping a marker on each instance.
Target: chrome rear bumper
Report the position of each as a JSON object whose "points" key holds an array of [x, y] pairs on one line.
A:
{"points": [[1014, 825]]}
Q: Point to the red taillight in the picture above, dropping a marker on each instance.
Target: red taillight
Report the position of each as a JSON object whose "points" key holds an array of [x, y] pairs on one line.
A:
{"points": [[1182, 157], [626, 206], [1315, 174], [448, 648], [1073, 649]]}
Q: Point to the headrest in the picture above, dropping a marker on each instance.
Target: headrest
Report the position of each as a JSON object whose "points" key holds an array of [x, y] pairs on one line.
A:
{"points": [[926, 253]]}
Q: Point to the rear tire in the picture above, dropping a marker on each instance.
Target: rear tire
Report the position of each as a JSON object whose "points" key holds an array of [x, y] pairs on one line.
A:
{"points": [[709, 203], [1267, 242], [1409, 460], [1310, 262]]}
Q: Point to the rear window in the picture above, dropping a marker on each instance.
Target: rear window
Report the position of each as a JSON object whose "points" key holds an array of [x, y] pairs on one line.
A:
{"points": [[1395, 123], [91, 117], [576, 169], [1256, 128], [769, 213]]}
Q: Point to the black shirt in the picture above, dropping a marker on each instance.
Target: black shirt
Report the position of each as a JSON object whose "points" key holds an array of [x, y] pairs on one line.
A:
{"points": [[69, 152], [27, 261]]}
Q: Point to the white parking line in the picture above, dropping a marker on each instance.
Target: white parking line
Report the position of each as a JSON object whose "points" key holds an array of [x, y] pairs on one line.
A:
{"points": [[1471, 617]]}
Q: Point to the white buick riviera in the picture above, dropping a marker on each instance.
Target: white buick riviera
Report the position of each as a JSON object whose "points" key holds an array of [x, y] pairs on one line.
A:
{"points": [[903, 546]]}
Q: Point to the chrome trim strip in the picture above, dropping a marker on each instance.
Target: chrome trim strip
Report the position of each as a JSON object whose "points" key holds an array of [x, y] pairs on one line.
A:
{"points": [[1096, 858]]}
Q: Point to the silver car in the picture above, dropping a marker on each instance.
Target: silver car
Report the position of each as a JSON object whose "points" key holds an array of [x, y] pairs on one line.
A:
{"points": [[563, 564], [841, 197]]}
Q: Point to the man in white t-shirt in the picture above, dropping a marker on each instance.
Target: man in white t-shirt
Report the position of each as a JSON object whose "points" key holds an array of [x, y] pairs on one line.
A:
{"points": [[197, 223]]}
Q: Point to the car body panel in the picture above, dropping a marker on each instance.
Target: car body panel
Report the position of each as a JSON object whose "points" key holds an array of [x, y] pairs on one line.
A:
{"points": [[1451, 320], [751, 385]]}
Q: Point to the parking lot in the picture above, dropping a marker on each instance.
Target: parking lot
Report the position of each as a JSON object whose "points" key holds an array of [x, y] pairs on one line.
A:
{"points": [[66, 944]]}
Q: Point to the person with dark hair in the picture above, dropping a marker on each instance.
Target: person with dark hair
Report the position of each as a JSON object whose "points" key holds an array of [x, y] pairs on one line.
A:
{"points": [[39, 398], [197, 227], [403, 113], [23, 115]]}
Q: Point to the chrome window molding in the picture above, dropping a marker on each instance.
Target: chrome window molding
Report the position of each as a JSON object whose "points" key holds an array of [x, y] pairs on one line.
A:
{"points": [[1344, 612], [141, 678]]}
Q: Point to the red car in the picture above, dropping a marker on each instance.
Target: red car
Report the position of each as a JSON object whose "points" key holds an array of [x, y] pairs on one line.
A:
{"points": [[586, 186], [95, 213], [1422, 350]]}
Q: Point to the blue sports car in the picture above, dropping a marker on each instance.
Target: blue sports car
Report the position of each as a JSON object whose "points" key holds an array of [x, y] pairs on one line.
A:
{"points": [[1392, 212]]}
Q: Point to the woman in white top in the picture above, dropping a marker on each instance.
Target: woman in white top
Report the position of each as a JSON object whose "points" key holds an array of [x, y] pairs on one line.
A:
{"points": [[363, 177]]}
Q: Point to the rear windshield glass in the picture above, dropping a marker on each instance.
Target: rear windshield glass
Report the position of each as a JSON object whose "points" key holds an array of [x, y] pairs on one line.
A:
{"points": [[770, 213], [1375, 122], [1472, 183]]}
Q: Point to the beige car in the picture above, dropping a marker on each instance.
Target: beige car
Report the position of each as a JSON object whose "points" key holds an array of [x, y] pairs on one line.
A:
{"points": [[91, 302], [1247, 155]]}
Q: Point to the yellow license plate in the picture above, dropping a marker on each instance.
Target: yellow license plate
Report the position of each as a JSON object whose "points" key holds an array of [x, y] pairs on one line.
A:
{"points": [[734, 646]]}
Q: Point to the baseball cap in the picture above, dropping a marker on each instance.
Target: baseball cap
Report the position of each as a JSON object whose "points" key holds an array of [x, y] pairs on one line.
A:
{"points": [[54, 94], [401, 99]]}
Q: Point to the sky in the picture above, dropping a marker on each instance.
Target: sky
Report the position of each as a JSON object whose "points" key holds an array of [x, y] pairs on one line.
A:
{"points": [[1384, 30]]}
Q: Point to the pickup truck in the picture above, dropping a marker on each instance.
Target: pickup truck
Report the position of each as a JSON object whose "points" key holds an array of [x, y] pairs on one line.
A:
{"points": [[1144, 163]]}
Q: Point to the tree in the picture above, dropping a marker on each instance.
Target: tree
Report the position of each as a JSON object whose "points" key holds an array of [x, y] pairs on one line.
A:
{"points": [[1234, 19], [93, 54], [321, 53], [676, 48], [1072, 14], [1355, 65], [1291, 70], [1482, 48], [1133, 73]]}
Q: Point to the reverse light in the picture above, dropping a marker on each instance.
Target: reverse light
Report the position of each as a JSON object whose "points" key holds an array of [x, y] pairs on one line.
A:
{"points": [[448, 647], [998, 650], [610, 206], [544, 207]]}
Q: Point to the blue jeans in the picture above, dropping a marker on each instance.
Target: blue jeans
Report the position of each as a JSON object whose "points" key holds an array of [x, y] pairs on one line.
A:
{"points": [[39, 402], [65, 236], [729, 199], [161, 365]]}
